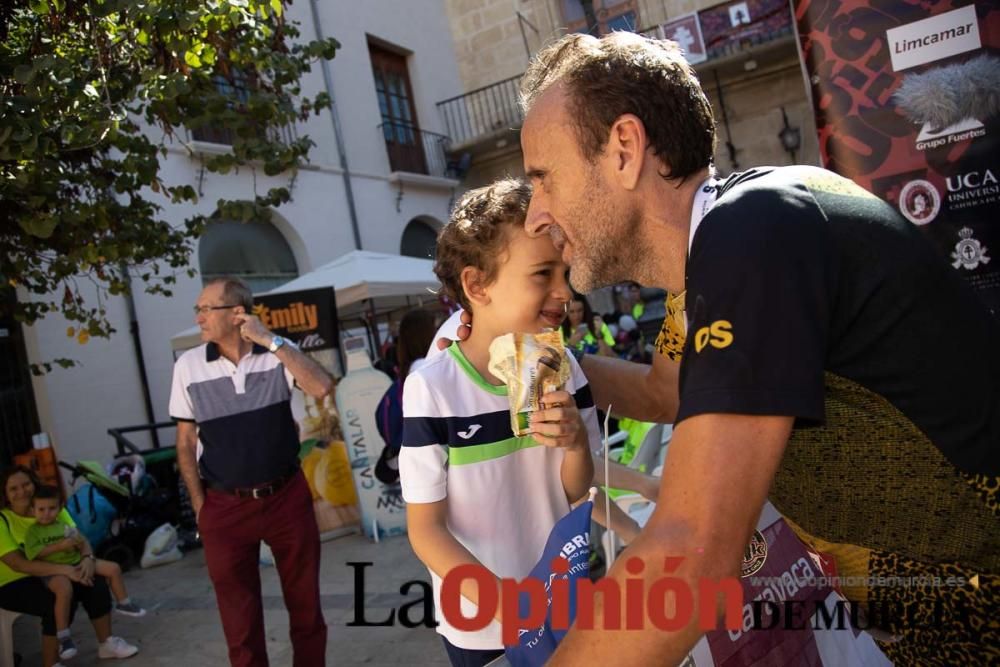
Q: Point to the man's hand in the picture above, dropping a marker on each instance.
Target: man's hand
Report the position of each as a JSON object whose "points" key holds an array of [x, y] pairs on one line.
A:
{"points": [[253, 330], [464, 330], [187, 462], [309, 375]]}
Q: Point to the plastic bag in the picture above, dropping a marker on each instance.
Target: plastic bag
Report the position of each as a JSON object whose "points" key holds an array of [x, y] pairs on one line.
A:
{"points": [[161, 547]]}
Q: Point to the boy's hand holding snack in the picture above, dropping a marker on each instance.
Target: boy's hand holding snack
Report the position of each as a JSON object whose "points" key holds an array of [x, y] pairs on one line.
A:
{"points": [[559, 423], [533, 366]]}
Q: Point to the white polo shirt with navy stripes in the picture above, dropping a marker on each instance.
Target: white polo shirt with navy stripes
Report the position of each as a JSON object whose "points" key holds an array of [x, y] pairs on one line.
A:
{"points": [[504, 493], [243, 413]]}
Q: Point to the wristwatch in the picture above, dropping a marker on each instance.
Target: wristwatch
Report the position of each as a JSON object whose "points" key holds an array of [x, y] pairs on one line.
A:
{"points": [[276, 343]]}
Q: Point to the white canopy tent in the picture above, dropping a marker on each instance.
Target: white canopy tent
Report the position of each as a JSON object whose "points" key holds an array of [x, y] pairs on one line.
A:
{"points": [[394, 281]]}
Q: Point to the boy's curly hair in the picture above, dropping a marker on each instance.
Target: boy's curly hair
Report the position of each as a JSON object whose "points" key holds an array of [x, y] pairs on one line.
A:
{"points": [[476, 233]]}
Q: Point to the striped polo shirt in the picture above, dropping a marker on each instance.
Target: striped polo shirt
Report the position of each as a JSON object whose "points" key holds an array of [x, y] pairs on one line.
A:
{"points": [[243, 412], [504, 493]]}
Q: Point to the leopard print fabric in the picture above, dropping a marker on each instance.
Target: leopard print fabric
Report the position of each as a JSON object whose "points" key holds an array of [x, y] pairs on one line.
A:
{"points": [[988, 488], [670, 341], [943, 615]]}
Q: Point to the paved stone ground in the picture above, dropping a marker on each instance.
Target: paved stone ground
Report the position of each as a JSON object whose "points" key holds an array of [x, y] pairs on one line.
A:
{"points": [[183, 629]]}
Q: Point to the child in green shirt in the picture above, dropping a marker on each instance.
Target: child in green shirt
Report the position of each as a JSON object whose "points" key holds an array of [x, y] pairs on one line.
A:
{"points": [[54, 539]]}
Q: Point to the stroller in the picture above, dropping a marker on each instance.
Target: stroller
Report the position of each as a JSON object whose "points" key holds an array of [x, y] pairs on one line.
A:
{"points": [[117, 517]]}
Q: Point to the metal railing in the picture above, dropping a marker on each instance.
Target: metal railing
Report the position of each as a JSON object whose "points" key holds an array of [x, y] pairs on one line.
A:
{"points": [[414, 150], [126, 446], [224, 136], [482, 111], [730, 48]]}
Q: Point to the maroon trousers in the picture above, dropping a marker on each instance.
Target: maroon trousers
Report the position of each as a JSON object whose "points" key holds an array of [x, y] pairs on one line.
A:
{"points": [[231, 530]]}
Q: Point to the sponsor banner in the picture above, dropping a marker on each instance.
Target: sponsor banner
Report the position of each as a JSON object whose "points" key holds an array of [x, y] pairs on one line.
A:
{"points": [[786, 588], [569, 545], [934, 38], [307, 317], [904, 97], [383, 512], [686, 31], [733, 26]]}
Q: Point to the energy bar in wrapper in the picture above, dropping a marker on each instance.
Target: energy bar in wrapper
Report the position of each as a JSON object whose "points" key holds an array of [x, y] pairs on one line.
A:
{"points": [[531, 365]]}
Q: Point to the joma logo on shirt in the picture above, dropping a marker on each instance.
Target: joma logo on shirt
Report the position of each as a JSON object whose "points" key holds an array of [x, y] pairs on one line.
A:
{"points": [[718, 334]]}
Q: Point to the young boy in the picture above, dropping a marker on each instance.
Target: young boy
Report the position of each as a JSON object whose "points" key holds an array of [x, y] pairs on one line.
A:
{"points": [[475, 493], [55, 539]]}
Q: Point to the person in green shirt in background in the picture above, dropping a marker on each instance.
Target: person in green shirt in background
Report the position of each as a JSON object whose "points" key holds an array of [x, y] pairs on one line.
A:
{"points": [[628, 301], [586, 331], [55, 539], [22, 588]]}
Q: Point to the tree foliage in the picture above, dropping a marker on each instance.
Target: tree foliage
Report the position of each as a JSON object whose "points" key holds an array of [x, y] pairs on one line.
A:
{"points": [[91, 94]]}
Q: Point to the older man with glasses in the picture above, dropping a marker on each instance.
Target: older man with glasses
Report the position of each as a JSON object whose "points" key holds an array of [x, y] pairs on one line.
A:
{"points": [[232, 395]]}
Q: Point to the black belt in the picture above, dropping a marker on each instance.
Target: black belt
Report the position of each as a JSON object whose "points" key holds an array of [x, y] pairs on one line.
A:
{"points": [[257, 492]]}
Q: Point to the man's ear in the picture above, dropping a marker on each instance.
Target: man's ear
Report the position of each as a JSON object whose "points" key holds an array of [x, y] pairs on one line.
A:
{"points": [[474, 286], [626, 149]]}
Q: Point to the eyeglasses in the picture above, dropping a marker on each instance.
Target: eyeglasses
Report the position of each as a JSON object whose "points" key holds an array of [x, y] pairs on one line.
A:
{"points": [[202, 310]]}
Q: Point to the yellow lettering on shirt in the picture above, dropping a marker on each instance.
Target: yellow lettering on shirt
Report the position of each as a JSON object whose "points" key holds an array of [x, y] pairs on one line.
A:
{"points": [[718, 334]]}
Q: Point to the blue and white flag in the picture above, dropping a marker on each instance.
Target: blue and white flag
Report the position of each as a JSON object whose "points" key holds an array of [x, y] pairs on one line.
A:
{"points": [[570, 542]]}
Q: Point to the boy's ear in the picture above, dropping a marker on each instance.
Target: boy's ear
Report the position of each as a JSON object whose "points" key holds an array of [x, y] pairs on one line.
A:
{"points": [[474, 286]]}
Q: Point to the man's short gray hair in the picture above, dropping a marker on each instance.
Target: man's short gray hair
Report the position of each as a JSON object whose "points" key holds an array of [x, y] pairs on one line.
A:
{"points": [[235, 292]]}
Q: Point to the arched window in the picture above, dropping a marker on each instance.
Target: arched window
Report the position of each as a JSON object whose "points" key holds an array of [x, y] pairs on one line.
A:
{"points": [[253, 251], [419, 239]]}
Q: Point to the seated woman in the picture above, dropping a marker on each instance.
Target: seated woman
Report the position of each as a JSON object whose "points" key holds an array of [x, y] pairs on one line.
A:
{"points": [[21, 588], [586, 331]]}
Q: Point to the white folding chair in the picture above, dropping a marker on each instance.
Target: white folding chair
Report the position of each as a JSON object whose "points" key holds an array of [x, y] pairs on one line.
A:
{"points": [[7, 619]]}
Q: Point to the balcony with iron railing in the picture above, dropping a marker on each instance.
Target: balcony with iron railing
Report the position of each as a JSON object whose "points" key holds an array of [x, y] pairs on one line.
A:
{"points": [[224, 136], [415, 151], [482, 114], [485, 116]]}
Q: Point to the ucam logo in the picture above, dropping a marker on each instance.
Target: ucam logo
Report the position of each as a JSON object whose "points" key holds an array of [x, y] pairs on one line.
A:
{"points": [[972, 179], [471, 431], [919, 201], [718, 334]]}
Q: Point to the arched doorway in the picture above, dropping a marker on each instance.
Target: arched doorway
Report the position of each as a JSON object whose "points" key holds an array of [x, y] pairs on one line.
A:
{"points": [[420, 238], [254, 251]]}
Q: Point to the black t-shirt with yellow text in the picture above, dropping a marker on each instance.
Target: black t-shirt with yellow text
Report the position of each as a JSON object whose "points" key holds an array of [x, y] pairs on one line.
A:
{"points": [[806, 296]]}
